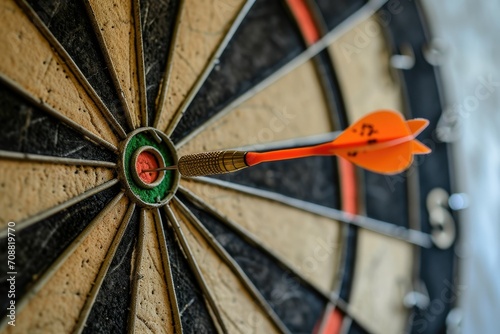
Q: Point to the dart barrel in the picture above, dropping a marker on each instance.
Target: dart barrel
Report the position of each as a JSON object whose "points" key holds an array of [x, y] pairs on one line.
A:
{"points": [[210, 163]]}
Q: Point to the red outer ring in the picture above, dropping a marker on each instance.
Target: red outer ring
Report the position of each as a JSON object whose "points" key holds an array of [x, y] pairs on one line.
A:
{"points": [[333, 318]]}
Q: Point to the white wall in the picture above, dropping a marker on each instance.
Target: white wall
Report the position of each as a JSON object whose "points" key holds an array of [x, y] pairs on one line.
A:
{"points": [[472, 31]]}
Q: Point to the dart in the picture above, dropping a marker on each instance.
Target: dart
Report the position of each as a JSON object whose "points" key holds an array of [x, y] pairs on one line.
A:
{"points": [[382, 142]]}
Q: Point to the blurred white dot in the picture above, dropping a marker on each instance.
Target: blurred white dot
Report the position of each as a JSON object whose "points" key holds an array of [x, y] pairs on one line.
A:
{"points": [[458, 201]]}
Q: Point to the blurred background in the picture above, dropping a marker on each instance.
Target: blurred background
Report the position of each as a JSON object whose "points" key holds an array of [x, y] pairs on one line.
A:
{"points": [[468, 35]]}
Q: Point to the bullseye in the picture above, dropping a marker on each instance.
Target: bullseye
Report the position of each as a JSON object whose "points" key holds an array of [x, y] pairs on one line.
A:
{"points": [[147, 167], [145, 161]]}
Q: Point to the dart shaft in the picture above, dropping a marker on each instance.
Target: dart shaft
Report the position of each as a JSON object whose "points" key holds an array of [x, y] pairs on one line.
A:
{"points": [[221, 162], [159, 169], [254, 158]]}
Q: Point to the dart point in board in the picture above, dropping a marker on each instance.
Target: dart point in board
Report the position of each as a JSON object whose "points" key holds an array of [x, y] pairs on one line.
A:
{"points": [[382, 142]]}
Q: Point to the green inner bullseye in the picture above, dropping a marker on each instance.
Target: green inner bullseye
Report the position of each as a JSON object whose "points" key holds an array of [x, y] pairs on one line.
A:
{"points": [[161, 191]]}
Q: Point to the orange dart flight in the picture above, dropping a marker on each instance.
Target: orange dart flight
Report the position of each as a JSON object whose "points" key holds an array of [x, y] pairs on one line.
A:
{"points": [[381, 142]]}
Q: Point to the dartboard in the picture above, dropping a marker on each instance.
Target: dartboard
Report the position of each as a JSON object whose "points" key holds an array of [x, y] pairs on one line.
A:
{"points": [[92, 90]]}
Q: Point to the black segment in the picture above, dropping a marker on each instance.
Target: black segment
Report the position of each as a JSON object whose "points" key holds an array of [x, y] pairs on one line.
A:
{"points": [[293, 179], [39, 245], [157, 21], [356, 328], [25, 129], [296, 304], [331, 88], [110, 311], [387, 191], [194, 313], [334, 12], [349, 252], [70, 25], [266, 40], [421, 88]]}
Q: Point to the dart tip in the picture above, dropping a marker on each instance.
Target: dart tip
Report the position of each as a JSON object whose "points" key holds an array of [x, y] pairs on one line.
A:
{"points": [[159, 169]]}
